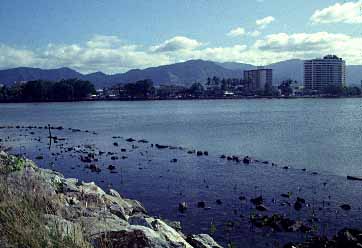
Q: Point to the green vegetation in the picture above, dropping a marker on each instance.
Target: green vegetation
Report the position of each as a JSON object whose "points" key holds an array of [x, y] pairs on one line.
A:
{"points": [[37, 91], [140, 89], [11, 164], [285, 87], [342, 91]]}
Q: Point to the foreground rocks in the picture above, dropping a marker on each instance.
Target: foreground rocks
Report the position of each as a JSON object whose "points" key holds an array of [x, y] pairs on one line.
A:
{"points": [[85, 212]]}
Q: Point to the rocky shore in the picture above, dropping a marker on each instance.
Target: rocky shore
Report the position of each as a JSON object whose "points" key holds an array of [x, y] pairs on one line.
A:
{"points": [[42, 208]]}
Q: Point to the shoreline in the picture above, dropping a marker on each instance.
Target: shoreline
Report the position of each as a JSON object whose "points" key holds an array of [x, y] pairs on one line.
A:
{"points": [[263, 210], [186, 99]]}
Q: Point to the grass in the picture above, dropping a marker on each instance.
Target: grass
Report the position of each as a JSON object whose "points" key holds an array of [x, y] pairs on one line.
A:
{"points": [[24, 203]]}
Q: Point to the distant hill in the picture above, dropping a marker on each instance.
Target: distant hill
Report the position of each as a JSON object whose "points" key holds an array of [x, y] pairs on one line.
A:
{"points": [[184, 73], [354, 74], [27, 73], [237, 66], [283, 70]]}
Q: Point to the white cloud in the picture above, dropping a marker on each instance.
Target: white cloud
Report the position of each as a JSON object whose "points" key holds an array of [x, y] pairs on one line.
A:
{"points": [[239, 31], [176, 43], [103, 41], [348, 12], [254, 33], [117, 56], [15, 57], [264, 22], [309, 45]]}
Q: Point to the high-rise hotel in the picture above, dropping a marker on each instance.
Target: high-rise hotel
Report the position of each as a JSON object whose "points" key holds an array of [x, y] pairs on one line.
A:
{"points": [[259, 78], [320, 73]]}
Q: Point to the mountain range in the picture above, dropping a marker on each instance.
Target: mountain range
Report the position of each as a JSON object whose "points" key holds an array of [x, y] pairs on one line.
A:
{"points": [[184, 73]]}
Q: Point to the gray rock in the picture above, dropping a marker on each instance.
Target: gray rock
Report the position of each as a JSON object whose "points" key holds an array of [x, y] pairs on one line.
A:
{"points": [[66, 229], [118, 211], [114, 193], [139, 220], [202, 241]]}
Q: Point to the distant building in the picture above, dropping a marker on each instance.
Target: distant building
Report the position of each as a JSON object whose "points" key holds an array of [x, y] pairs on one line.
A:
{"points": [[259, 79], [320, 73]]}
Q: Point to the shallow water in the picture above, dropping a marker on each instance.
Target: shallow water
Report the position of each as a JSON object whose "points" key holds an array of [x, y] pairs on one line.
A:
{"points": [[148, 175], [319, 134]]}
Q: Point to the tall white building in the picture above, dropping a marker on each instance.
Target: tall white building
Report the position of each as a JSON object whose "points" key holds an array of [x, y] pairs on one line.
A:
{"points": [[320, 73]]}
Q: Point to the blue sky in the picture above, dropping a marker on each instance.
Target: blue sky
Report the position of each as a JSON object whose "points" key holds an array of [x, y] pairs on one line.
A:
{"points": [[114, 36]]}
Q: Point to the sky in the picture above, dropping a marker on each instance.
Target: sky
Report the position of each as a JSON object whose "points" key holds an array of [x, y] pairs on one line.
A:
{"points": [[119, 35]]}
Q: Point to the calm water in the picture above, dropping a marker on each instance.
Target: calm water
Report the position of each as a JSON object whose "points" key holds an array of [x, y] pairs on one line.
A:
{"points": [[320, 134]]}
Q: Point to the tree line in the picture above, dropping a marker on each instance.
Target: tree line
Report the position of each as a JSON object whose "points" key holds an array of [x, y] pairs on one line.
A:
{"points": [[40, 90]]}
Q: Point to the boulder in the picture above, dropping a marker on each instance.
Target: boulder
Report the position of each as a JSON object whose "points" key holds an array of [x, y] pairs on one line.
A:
{"points": [[114, 193], [202, 241], [65, 229], [139, 220], [91, 188], [118, 211], [134, 236]]}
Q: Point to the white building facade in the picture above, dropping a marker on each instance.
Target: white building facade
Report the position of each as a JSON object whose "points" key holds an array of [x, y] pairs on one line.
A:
{"points": [[321, 73]]}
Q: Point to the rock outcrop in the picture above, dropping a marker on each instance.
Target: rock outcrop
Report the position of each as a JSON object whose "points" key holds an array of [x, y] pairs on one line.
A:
{"points": [[84, 211]]}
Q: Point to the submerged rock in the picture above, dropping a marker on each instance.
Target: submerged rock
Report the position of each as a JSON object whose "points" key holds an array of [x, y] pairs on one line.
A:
{"points": [[261, 208], [161, 146], [246, 160], [94, 168], [345, 207], [257, 201], [353, 178], [182, 207], [201, 204]]}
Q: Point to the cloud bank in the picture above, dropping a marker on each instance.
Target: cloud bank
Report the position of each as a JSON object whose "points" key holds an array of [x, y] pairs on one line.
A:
{"points": [[111, 55], [348, 12]]}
